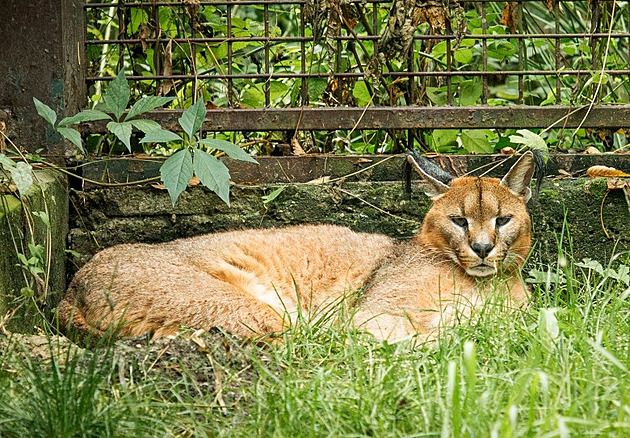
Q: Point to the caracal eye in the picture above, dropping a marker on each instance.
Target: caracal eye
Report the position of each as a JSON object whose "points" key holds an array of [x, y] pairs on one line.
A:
{"points": [[503, 220], [460, 221]]}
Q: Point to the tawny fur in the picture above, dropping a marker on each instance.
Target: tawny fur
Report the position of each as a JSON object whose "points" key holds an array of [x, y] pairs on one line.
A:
{"points": [[254, 282]]}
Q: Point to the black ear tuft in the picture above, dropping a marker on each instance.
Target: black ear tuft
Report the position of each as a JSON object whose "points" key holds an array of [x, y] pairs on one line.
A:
{"points": [[436, 181]]}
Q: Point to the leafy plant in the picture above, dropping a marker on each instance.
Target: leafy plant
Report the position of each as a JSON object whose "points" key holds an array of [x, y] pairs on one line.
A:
{"points": [[193, 159], [21, 173], [115, 101]]}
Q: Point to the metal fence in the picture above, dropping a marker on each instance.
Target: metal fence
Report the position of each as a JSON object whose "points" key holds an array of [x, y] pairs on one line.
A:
{"points": [[370, 64]]}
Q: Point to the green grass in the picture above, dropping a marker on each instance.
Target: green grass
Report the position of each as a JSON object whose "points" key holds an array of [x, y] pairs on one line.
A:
{"points": [[559, 368]]}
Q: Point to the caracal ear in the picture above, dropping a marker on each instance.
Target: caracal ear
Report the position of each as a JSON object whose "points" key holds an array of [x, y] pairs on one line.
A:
{"points": [[519, 177], [433, 187]]}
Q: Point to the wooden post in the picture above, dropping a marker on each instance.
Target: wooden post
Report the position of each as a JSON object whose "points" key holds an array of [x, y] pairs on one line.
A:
{"points": [[42, 56]]}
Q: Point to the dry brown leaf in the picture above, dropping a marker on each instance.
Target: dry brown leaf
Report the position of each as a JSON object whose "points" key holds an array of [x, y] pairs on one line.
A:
{"points": [[144, 32], [321, 180], [296, 149], [3, 130], [432, 14], [592, 150], [564, 173], [508, 150], [605, 172], [613, 184], [509, 17], [550, 4], [167, 70], [194, 181]]}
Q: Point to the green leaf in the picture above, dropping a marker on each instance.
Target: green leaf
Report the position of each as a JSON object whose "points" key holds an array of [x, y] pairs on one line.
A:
{"points": [[532, 141], [146, 104], [160, 136], [117, 95], [213, 174], [443, 138], [43, 216], [470, 92], [73, 136], [229, 148], [463, 56], [273, 195], [45, 111], [145, 125], [475, 141], [361, 93], [176, 173], [122, 130], [22, 176], [6, 162], [437, 95], [85, 116], [192, 118]]}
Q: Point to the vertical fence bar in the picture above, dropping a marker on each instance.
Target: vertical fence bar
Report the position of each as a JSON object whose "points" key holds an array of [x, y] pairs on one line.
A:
{"points": [[266, 50], [484, 54], [449, 66], [193, 53], [157, 46], [521, 54], [230, 81], [556, 13], [122, 30], [304, 80]]}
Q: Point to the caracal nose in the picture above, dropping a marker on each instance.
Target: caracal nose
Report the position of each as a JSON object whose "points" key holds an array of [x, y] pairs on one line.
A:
{"points": [[482, 249]]}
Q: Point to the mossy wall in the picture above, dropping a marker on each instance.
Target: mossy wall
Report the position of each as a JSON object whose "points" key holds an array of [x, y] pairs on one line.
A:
{"points": [[107, 216], [41, 217]]}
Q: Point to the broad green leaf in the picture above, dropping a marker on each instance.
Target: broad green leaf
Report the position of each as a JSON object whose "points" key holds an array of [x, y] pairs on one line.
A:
{"points": [[117, 95], [147, 103], [361, 93], [231, 149], [316, 87], [437, 95], [463, 56], [475, 141], [470, 92], [138, 17], [176, 172], [73, 136], [192, 118], [213, 174], [160, 136], [273, 195], [145, 125], [22, 176], [43, 216], [122, 130], [6, 162], [85, 116], [45, 111], [532, 141], [444, 138]]}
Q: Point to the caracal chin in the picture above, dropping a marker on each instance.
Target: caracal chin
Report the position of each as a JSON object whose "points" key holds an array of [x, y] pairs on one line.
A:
{"points": [[253, 283]]}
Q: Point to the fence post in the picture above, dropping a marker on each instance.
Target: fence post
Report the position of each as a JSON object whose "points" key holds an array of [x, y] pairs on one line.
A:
{"points": [[41, 42]]}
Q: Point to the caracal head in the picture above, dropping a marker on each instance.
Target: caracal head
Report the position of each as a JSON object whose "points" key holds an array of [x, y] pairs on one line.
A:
{"points": [[481, 224]]}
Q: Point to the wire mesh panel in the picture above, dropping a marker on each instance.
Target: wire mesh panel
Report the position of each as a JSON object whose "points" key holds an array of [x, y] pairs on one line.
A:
{"points": [[371, 55]]}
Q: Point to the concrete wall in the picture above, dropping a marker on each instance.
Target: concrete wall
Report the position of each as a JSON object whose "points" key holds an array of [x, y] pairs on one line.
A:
{"points": [[20, 226]]}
